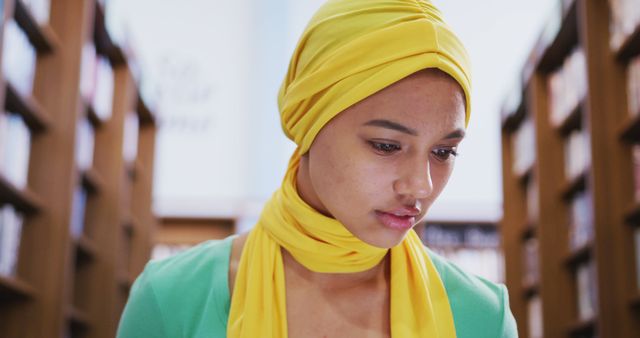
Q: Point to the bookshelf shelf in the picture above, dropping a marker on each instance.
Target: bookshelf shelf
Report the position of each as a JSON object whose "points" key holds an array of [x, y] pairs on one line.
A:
{"points": [[146, 115], [630, 130], [92, 180], [630, 47], [530, 290], [633, 214], [572, 122], [582, 328], [96, 121], [104, 44], [78, 319], [565, 39], [513, 120], [635, 301], [528, 231], [43, 38], [579, 255], [124, 281], [574, 186], [86, 249], [13, 289], [28, 108], [24, 200]]}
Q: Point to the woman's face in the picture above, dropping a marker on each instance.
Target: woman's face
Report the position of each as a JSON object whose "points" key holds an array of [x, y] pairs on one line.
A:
{"points": [[378, 166]]}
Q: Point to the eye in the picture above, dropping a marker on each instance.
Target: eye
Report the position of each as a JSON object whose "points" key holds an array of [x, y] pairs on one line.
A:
{"points": [[384, 148], [445, 154]]}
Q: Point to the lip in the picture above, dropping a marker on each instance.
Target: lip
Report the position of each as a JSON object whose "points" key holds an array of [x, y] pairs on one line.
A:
{"points": [[396, 221]]}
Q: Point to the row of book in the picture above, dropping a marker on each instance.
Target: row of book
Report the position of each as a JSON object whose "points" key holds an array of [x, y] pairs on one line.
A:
{"points": [[18, 59], [470, 236], [531, 252], [577, 154], [635, 153], [78, 211], [633, 86], [472, 247], [636, 237], [15, 146], [586, 291], [131, 133], [85, 142], [534, 316], [40, 9], [625, 17], [96, 81], [523, 149], [533, 203], [581, 220], [10, 232], [567, 86]]}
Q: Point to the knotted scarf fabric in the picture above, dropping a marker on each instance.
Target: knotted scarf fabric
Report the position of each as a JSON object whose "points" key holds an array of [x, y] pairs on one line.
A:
{"points": [[349, 50]]}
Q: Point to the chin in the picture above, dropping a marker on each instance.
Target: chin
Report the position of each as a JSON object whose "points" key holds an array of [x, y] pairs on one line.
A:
{"points": [[386, 239]]}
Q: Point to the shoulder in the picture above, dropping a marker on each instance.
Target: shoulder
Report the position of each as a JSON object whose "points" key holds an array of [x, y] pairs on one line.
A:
{"points": [[480, 307], [180, 290]]}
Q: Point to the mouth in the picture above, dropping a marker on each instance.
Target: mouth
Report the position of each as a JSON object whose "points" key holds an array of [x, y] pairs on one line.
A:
{"points": [[396, 221]]}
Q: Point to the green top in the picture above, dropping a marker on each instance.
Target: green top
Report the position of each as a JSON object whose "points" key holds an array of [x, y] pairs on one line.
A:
{"points": [[187, 295]]}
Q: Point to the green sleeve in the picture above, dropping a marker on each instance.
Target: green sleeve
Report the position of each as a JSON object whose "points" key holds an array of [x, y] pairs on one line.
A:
{"points": [[142, 316], [509, 327]]}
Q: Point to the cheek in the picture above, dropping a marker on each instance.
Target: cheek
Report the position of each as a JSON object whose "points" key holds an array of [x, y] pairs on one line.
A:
{"points": [[440, 175]]}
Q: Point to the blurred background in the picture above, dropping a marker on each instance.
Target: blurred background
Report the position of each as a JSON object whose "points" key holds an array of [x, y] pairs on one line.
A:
{"points": [[133, 130]]}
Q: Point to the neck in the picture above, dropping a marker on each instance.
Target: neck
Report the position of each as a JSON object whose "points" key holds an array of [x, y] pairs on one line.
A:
{"points": [[377, 276]]}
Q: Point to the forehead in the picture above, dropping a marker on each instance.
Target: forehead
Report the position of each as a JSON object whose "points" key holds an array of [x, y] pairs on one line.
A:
{"points": [[426, 99]]}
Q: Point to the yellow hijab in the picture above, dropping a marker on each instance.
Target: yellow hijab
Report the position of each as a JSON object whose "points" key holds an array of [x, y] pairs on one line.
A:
{"points": [[349, 50]]}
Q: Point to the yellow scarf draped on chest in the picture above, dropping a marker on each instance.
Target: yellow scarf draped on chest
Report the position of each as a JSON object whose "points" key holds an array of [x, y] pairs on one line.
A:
{"points": [[349, 50]]}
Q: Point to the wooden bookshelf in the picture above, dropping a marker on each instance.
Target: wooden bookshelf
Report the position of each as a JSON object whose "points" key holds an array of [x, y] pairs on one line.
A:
{"points": [[608, 181], [75, 284]]}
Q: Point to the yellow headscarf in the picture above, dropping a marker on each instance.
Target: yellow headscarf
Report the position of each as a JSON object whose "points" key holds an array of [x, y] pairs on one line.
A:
{"points": [[349, 50]]}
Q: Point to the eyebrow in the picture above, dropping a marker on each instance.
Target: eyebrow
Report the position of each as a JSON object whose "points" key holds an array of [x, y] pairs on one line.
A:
{"points": [[458, 133], [391, 125]]}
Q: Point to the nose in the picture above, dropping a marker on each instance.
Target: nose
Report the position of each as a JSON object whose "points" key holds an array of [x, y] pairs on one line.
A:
{"points": [[415, 182]]}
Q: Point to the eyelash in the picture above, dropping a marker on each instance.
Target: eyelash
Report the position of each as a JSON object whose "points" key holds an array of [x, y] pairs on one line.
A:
{"points": [[442, 154]]}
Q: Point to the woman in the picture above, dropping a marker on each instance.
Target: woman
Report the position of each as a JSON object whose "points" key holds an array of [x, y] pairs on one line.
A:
{"points": [[377, 100]]}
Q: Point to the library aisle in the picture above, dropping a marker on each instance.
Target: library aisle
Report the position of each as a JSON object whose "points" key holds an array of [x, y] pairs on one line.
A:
{"points": [[76, 166], [571, 171]]}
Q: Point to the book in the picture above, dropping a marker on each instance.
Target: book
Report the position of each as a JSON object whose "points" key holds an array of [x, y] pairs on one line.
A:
{"points": [[88, 72], [534, 315], [103, 98], [577, 154], [474, 248], [635, 153], [130, 142], [10, 235], [533, 206], [85, 142], [636, 237], [633, 87], [39, 9], [587, 291], [524, 147], [16, 146], [78, 209], [567, 86], [531, 267], [18, 59], [581, 220], [625, 17]]}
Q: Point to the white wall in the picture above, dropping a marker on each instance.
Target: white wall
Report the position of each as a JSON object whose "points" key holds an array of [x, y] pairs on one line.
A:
{"points": [[216, 67]]}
